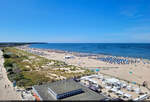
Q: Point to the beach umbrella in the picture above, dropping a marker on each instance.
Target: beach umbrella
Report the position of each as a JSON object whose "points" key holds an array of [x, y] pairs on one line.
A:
{"points": [[133, 82], [97, 70], [130, 72]]}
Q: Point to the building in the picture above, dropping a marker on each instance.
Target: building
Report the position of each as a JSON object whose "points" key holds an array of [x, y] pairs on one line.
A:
{"points": [[65, 90]]}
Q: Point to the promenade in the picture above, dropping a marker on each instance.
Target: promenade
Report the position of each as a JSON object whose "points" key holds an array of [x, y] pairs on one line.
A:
{"points": [[7, 91]]}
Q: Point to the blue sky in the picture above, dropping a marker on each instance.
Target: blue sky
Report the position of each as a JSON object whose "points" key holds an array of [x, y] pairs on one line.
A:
{"points": [[75, 21]]}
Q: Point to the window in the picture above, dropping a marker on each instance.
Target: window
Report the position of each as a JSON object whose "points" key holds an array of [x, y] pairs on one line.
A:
{"points": [[67, 94]]}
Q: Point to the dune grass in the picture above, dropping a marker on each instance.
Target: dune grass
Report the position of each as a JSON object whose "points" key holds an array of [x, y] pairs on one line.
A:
{"points": [[28, 69]]}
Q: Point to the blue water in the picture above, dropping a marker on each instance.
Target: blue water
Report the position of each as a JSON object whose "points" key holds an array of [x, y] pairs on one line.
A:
{"points": [[138, 50]]}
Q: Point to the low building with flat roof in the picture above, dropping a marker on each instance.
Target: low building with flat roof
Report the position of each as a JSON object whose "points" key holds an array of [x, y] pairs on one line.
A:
{"points": [[65, 90]]}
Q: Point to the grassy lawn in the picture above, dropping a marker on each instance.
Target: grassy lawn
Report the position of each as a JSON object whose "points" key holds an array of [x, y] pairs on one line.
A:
{"points": [[28, 69]]}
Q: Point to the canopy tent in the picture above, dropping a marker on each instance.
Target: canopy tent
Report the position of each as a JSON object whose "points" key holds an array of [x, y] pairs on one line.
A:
{"points": [[142, 97], [107, 87], [127, 95], [129, 88], [93, 81], [137, 90], [123, 85], [85, 77], [119, 92], [112, 81], [68, 57], [92, 76], [113, 90], [100, 77]]}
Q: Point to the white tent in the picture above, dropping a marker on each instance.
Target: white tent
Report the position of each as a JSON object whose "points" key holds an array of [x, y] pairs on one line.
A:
{"points": [[93, 81], [120, 92], [127, 95], [82, 78], [142, 97], [108, 87], [68, 57], [123, 85], [100, 77], [92, 76], [112, 80], [129, 88], [85, 77], [113, 90], [137, 90], [103, 82]]}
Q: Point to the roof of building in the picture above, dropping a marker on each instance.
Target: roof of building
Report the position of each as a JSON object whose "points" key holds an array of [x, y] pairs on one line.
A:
{"points": [[65, 86]]}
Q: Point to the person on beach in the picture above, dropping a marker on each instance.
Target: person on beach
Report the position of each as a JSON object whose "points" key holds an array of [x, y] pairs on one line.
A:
{"points": [[5, 86], [145, 84]]}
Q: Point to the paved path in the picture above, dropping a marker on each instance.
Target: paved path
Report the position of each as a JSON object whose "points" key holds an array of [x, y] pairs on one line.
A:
{"points": [[7, 93]]}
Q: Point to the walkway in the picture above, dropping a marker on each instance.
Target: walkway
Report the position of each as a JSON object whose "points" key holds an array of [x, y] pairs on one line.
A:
{"points": [[7, 93]]}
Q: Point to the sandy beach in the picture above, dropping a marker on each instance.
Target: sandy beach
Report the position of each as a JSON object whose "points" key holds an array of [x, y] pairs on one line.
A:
{"points": [[140, 71], [7, 92]]}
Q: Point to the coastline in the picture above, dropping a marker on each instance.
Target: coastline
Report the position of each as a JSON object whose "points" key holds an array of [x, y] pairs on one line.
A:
{"points": [[95, 52], [140, 71], [83, 54]]}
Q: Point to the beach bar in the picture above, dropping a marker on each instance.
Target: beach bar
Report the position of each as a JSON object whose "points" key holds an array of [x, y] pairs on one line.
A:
{"points": [[65, 90]]}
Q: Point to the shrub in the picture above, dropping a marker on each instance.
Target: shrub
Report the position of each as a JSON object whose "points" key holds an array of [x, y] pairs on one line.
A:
{"points": [[11, 76], [18, 77], [8, 63], [26, 69], [16, 70], [6, 56], [9, 69], [24, 82]]}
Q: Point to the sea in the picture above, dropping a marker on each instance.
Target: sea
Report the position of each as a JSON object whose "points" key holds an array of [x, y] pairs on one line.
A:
{"points": [[135, 50]]}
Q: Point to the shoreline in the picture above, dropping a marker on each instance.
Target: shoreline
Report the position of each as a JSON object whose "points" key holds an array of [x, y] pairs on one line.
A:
{"points": [[140, 71], [83, 54], [106, 69]]}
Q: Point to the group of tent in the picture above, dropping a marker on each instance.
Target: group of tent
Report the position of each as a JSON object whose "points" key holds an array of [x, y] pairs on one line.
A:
{"points": [[116, 84]]}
